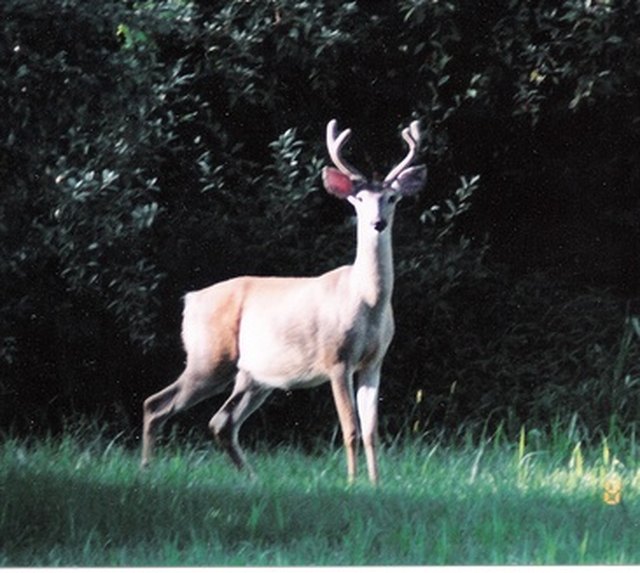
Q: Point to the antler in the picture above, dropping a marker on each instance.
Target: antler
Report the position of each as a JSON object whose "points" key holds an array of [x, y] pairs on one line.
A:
{"points": [[334, 144], [411, 135]]}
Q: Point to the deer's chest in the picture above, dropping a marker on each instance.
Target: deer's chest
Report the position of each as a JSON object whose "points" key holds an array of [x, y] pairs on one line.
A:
{"points": [[367, 339]]}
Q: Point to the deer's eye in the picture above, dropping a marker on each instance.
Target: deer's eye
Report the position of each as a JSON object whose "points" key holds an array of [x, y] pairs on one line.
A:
{"points": [[392, 199]]}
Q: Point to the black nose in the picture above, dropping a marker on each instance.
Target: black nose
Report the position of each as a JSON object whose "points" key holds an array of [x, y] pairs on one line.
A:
{"points": [[380, 225]]}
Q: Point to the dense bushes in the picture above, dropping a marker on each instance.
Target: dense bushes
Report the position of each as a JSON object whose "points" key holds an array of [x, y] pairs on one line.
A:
{"points": [[152, 148]]}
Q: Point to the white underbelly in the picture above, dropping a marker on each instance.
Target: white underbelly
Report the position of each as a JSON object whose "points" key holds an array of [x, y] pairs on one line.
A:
{"points": [[278, 370], [289, 384], [280, 359]]}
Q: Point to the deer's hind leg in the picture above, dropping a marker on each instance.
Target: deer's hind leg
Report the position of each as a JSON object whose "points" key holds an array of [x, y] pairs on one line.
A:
{"points": [[246, 398], [191, 387]]}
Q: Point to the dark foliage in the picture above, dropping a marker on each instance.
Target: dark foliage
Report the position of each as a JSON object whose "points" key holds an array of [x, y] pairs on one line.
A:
{"points": [[150, 148]]}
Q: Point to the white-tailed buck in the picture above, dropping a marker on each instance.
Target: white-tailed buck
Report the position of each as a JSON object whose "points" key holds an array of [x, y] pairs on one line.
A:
{"points": [[288, 333]]}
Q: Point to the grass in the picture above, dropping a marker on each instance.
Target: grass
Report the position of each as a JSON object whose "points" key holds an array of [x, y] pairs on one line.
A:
{"points": [[80, 499]]}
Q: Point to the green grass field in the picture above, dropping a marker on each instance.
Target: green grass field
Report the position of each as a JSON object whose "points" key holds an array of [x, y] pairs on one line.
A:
{"points": [[80, 500]]}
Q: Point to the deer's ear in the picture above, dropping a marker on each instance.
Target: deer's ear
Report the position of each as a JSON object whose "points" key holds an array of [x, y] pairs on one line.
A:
{"points": [[337, 183], [411, 180]]}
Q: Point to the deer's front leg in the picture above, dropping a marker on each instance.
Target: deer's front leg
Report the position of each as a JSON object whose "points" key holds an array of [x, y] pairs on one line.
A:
{"points": [[367, 398], [342, 388]]}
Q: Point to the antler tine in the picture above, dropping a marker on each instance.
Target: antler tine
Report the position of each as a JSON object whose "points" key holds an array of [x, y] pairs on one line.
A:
{"points": [[411, 135], [334, 144]]}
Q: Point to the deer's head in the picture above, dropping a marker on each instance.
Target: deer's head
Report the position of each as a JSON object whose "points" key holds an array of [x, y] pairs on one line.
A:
{"points": [[374, 201]]}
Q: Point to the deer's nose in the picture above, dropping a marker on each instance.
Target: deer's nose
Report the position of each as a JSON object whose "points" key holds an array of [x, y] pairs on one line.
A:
{"points": [[380, 225]]}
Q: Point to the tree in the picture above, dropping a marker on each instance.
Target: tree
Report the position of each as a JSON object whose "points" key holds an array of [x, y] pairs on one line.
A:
{"points": [[151, 148]]}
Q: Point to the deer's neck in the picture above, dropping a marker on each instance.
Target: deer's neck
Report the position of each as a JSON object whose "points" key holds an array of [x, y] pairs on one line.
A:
{"points": [[372, 271]]}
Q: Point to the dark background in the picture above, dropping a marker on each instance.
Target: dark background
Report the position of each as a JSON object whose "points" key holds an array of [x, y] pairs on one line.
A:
{"points": [[148, 149]]}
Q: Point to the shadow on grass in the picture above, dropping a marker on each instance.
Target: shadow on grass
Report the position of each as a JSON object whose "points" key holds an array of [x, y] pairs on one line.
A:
{"points": [[163, 518], [53, 518]]}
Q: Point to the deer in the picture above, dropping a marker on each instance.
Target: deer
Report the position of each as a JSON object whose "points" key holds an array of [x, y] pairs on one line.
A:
{"points": [[286, 333]]}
